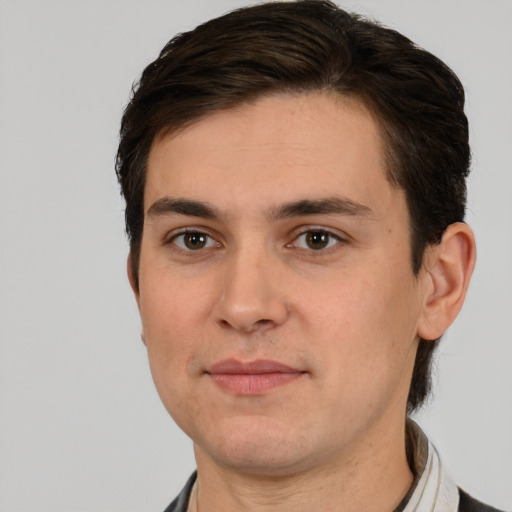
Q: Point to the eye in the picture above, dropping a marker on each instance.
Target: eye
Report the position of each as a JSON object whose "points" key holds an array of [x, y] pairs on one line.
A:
{"points": [[316, 240], [193, 241]]}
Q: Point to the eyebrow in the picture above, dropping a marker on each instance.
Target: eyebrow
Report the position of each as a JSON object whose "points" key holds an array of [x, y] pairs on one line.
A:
{"points": [[336, 205], [178, 206]]}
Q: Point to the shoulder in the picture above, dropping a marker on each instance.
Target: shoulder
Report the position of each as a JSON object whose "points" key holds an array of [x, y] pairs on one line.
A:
{"points": [[469, 504], [180, 504]]}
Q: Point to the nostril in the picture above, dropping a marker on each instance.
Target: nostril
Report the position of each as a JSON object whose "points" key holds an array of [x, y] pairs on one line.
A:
{"points": [[263, 322], [224, 323], [256, 326]]}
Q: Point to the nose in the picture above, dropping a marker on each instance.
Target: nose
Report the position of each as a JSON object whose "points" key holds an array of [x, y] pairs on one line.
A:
{"points": [[250, 299]]}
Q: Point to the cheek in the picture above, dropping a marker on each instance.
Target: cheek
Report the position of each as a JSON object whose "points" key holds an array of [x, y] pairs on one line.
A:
{"points": [[171, 319], [367, 330], [168, 335], [171, 309]]}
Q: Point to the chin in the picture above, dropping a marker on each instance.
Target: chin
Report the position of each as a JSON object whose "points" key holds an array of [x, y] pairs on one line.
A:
{"points": [[262, 461], [259, 448]]}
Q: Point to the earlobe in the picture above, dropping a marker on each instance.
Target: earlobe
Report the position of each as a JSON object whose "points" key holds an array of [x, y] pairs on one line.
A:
{"points": [[448, 267]]}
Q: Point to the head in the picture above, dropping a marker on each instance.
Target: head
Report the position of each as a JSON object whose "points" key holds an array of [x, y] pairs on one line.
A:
{"points": [[300, 48]]}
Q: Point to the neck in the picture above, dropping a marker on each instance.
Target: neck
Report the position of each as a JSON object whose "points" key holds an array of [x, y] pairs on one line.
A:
{"points": [[371, 477]]}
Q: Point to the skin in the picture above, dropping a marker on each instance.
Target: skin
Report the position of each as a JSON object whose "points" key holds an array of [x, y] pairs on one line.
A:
{"points": [[248, 285]]}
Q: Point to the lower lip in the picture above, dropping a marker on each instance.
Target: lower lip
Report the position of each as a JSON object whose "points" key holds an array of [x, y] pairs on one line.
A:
{"points": [[253, 384]]}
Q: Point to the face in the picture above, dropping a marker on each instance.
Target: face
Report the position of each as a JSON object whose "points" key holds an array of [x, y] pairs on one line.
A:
{"points": [[278, 303]]}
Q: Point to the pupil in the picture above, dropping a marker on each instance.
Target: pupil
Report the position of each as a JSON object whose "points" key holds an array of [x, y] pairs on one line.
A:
{"points": [[317, 240], [195, 240]]}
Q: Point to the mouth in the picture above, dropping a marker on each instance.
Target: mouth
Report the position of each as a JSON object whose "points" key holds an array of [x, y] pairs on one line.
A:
{"points": [[252, 377]]}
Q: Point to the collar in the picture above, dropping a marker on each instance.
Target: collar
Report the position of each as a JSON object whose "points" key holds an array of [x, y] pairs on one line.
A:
{"points": [[432, 489]]}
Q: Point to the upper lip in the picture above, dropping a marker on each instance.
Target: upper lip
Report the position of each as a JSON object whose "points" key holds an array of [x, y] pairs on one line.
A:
{"points": [[259, 366]]}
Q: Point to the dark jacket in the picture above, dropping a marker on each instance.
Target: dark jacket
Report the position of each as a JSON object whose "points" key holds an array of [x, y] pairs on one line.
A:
{"points": [[469, 504]]}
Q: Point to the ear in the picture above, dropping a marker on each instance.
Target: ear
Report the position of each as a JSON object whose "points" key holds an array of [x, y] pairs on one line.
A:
{"points": [[135, 286], [448, 267], [132, 279]]}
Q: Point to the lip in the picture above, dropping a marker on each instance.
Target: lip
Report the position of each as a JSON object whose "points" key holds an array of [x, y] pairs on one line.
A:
{"points": [[252, 377]]}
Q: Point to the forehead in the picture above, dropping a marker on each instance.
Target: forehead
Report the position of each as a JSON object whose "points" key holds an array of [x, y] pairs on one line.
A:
{"points": [[279, 148]]}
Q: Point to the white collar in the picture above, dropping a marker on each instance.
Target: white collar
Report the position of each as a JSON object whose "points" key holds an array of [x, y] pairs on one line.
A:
{"points": [[432, 490]]}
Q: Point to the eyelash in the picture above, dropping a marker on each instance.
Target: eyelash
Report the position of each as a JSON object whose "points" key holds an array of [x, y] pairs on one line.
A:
{"points": [[333, 241], [172, 241]]}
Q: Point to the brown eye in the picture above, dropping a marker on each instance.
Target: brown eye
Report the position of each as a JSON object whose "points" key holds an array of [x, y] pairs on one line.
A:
{"points": [[316, 240], [193, 241]]}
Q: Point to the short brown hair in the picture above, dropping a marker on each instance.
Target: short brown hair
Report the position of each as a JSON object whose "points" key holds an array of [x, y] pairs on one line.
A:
{"points": [[307, 46]]}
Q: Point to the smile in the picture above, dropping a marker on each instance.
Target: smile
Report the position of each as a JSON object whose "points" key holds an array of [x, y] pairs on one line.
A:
{"points": [[252, 378]]}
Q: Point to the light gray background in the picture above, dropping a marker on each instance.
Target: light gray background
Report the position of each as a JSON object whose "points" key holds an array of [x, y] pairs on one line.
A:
{"points": [[81, 427]]}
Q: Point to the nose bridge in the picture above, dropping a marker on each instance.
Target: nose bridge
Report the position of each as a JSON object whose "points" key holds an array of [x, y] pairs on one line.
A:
{"points": [[249, 299]]}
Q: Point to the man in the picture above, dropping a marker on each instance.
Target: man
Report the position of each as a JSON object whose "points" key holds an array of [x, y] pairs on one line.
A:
{"points": [[295, 186]]}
